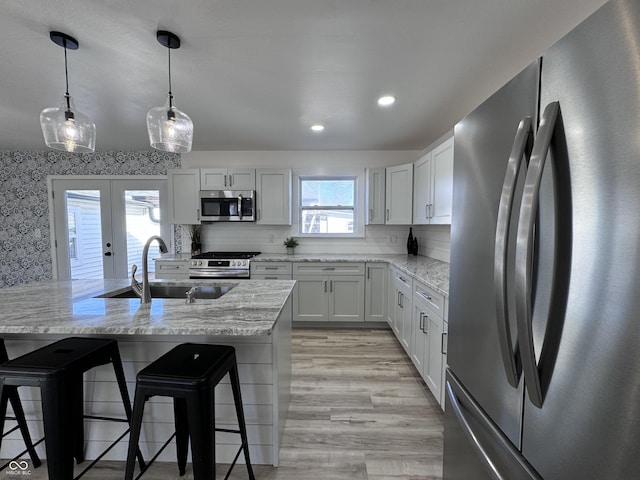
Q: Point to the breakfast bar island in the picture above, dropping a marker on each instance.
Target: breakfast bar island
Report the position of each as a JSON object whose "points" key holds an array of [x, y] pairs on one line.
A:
{"points": [[254, 316]]}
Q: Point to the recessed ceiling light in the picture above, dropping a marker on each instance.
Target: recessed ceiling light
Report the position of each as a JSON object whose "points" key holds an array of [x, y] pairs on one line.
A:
{"points": [[386, 100], [317, 128]]}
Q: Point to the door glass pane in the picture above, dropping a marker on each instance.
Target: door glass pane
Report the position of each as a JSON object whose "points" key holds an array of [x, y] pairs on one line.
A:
{"points": [[84, 233], [142, 221]]}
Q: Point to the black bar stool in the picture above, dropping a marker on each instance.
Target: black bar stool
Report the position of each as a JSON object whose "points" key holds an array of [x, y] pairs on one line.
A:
{"points": [[10, 394], [57, 369], [189, 374]]}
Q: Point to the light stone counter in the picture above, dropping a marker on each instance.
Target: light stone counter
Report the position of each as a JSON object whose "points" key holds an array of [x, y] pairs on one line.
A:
{"points": [[255, 317], [430, 271], [69, 307]]}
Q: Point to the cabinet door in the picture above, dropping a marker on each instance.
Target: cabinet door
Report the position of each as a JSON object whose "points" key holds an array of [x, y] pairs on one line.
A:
{"points": [[213, 179], [419, 337], [241, 178], [392, 300], [375, 196], [433, 361], [442, 183], [422, 190], [346, 298], [375, 308], [406, 313], [399, 195], [310, 299], [184, 187], [273, 192]]}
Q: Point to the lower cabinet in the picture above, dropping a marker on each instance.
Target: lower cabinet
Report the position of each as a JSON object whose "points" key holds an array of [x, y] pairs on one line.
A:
{"points": [[328, 292], [375, 295], [428, 348], [400, 306]]}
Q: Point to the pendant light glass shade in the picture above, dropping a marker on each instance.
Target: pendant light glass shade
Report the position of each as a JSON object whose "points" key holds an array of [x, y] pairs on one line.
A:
{"points": [[63, 127], [169, 129]]}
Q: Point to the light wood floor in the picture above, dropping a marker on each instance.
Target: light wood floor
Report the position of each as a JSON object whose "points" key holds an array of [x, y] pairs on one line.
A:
{"points": [[359, 410]]}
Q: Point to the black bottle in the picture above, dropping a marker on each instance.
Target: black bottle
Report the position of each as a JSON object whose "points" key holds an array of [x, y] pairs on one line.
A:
{"points": [[415, 246], [410, 242]]}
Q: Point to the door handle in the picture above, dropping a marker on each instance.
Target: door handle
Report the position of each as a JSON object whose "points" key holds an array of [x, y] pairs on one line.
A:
{"points": [[510, 361], [443, 351], [524, 252], [107, 254], [240, 206]]}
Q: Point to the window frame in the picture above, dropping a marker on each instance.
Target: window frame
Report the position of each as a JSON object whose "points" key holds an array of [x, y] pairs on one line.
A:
{"points": [[358, 228]]}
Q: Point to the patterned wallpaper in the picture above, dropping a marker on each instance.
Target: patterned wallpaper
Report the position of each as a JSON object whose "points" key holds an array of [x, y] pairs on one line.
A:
{"points": [[24, 210]]}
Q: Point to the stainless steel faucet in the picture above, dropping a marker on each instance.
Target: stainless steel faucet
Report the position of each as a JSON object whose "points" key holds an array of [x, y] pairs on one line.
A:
{"points": [[190, 294], [144, 290]]}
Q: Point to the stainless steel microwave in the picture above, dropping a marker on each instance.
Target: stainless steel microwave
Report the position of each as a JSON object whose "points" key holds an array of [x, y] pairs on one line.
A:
{"points": [[227, 205]]}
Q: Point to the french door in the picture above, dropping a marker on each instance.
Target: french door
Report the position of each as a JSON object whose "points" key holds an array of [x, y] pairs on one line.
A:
{"points": [[100, 225]]}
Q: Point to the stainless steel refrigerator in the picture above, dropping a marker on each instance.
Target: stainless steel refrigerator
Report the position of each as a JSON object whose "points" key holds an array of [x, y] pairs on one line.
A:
{"points": [[543, 376]]}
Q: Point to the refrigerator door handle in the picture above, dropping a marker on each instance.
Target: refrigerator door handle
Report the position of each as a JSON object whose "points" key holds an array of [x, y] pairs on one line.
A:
{"points": [[524, 252], [510, 357]]}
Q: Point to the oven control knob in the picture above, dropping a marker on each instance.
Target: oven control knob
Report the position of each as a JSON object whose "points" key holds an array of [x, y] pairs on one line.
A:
{"points": [[193, 263], [244, 263]]}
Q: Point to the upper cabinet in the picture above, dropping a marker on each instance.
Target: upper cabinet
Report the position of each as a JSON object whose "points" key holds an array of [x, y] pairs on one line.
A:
{"points": [[227, 179], [273, 192], [184, 187], [433, 186], [375, 194], [399, 188]]}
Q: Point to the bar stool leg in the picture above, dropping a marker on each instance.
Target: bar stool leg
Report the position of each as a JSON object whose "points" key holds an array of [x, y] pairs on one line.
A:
{"points": [[77, 415], [16, 405], [55, 413], [134, 436], [202, 432], [182, 432], [237, 400]]}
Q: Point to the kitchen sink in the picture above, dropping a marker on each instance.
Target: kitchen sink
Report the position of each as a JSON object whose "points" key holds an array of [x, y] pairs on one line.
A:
{"points": [[206, 292]]}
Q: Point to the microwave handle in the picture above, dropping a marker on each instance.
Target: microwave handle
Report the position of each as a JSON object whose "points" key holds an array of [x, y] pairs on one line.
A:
{"points": [[240, 206]]}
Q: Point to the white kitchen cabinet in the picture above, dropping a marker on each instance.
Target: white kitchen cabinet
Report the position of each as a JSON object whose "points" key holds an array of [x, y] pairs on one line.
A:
{"points": [[271, 270], [227, 179], [375, 194], [184, 188], [398, 195], [401, 286], [375, 308], [172, 269], [273, 192], [328, 292], [433, 186], [428, 350]]}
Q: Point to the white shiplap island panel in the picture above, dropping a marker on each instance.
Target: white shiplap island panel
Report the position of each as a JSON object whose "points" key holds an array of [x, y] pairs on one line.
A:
{"points": [[254, 317]]}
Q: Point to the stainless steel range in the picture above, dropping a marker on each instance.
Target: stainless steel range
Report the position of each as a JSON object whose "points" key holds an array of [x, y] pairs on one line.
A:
{"points": [[221, 265]]}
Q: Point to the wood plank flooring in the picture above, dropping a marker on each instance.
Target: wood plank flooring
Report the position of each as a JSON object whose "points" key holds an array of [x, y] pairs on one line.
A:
{"points": [[359, 410]]}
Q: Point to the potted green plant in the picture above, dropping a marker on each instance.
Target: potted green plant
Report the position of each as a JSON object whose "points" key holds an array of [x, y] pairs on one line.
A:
{"points": [[291, 243], [195, 235]]}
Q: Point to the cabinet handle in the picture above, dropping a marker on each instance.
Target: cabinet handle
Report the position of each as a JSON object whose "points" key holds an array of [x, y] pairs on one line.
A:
{"points": [[422, 321], [198, 212], [325, 286], [258, 218], [270, 278], [270, 268], [426, 325], [225, 180], [230, 180], [387, 214], [329, 268], [442, 350], [330, 286], [424, 295], [401, 300], [371, 214], [402, 279], [426, 212], [398, 299], [430, 205], [368, 273]]}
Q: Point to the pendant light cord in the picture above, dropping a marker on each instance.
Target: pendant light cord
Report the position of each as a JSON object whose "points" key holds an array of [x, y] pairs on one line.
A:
{"points": [[66, 76], [170, 94]]}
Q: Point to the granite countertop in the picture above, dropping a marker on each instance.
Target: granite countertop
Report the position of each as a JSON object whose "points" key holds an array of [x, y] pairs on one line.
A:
{"points": [[430, 271], [250, 308]]}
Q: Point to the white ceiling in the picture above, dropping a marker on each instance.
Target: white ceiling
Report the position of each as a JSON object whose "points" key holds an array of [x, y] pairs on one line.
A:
{"points": [[255, 74]]}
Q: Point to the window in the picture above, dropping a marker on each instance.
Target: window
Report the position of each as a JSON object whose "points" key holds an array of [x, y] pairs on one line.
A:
{"points": [[327, 206]]}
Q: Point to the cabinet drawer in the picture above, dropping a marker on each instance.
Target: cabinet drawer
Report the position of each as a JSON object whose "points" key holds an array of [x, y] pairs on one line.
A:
{"points": [[172, 268], [327, 268], [271, 268], [270, 276], [432, 298]]}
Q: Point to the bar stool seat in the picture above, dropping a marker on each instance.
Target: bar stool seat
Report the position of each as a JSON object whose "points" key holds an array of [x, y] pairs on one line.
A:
{"points": [[189, 374], [10, 395], [57, 369]]}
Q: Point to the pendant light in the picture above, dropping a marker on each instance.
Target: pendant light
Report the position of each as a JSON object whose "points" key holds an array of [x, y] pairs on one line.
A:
{"points": [[63, 127], [169, 129]]}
